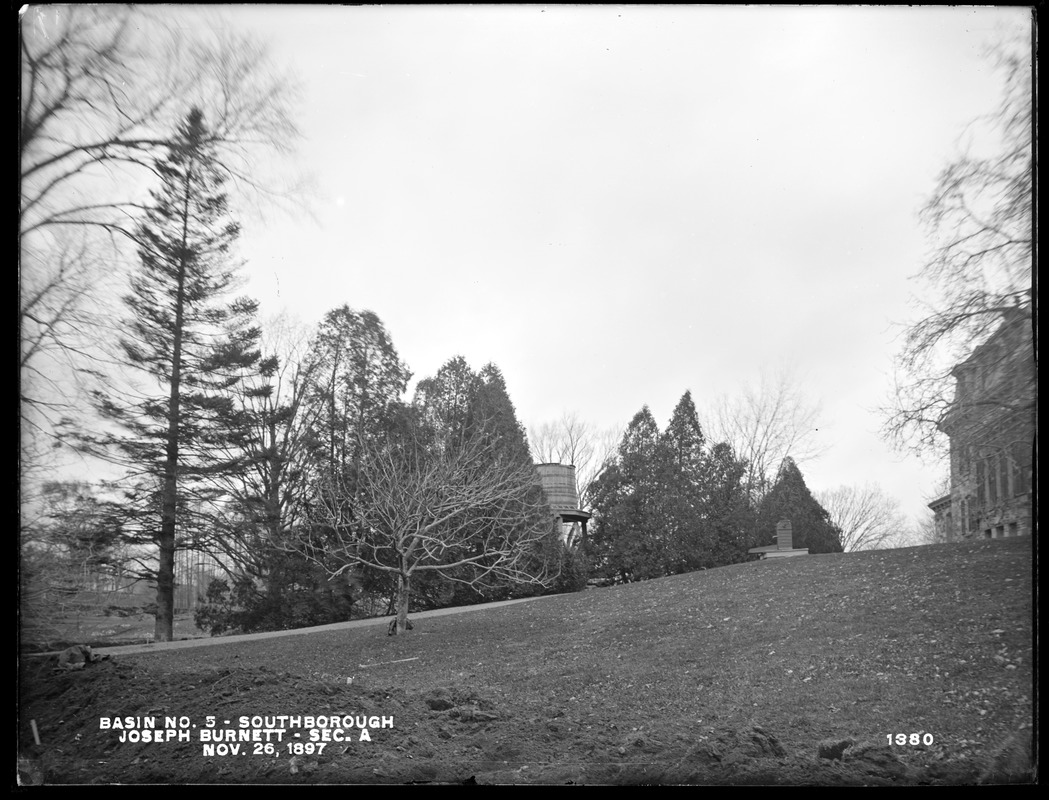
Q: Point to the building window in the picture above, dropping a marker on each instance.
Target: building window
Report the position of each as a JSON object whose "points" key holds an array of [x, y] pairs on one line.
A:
{"points": [[1021, 466], [1013, 529], [999, 532], [972, 519], [981, 481], [1006, 476], [992, 480]]}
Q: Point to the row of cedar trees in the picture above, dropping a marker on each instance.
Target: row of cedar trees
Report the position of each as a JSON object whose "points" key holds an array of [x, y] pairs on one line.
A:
{"points": [[290, 467], [296, 468], [670, 503]]}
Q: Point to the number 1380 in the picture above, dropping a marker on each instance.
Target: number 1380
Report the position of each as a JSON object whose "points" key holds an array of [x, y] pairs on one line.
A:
{"points": [[910, 738]]}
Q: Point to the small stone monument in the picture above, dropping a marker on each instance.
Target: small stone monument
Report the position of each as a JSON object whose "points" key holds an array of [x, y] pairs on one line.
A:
{"points": [[784, 546]]}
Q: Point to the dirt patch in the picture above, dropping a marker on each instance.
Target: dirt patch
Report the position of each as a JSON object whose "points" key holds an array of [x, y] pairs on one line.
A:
{"points": [[440, 735], [77, 747], [603, 687]]}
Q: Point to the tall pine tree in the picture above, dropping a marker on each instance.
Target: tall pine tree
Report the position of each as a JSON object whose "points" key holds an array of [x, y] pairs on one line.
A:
{"points": [[192, 343]]}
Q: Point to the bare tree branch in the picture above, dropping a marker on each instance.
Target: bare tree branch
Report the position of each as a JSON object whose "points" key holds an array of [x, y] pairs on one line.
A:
{"points": [[980, 222], [765, 424], [461, 513], [867, 517], [102, 87], [570, 440]]}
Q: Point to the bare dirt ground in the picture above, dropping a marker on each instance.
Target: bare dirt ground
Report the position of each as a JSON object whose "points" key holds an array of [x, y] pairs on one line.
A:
{"points": [[604, 687]]}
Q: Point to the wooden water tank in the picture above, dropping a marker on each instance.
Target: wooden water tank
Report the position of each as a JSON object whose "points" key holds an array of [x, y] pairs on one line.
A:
{"points": [[558, 481]]}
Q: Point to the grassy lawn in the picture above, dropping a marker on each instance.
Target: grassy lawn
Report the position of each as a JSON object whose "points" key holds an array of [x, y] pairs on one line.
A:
{"points": [[106, 630], [728, 676]]}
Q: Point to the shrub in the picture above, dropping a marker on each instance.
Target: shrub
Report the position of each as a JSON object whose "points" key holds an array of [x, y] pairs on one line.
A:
{"points": [[293, 595], [575, 569]]}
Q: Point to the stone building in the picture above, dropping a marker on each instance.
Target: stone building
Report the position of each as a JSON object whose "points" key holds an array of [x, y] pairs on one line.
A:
{"points": [[991, 429]]}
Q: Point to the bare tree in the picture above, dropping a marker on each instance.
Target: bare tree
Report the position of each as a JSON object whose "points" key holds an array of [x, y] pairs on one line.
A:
{"points": [[868, 518], [570, 440], [926, 531], [928, 527], [54, 327], [765, 424], [102, 87], [979, 219], [459, 513]]}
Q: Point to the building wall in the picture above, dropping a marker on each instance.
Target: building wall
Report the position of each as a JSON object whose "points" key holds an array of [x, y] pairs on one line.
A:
{"points": [[943, 519], [991, 428]]}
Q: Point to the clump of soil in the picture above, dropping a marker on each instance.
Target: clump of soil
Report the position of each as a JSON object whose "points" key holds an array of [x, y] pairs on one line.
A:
{"points": [[440, 735]]}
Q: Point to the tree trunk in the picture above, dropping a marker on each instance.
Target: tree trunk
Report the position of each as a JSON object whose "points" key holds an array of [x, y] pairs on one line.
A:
{"points": [[163, 628], [403, 593]]}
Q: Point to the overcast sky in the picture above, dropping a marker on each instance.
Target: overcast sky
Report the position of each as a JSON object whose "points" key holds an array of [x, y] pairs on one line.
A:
{"points": [[618, 204]]}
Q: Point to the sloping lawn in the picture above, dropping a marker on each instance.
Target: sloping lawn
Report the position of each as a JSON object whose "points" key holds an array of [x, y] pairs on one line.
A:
{"points": [[729, 676]]}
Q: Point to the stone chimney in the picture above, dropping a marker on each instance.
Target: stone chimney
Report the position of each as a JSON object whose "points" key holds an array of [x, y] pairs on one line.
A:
{"points": [[784, 535]]}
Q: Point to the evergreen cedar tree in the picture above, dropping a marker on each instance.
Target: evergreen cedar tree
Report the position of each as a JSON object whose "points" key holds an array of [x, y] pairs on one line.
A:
{"points": [[455, 406], [790, 499], [493, 419], [357, 378], [309, 416], [384, 509], [463, 427], [193, 346], [624, 543], [669, 503], [442, 402]]}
